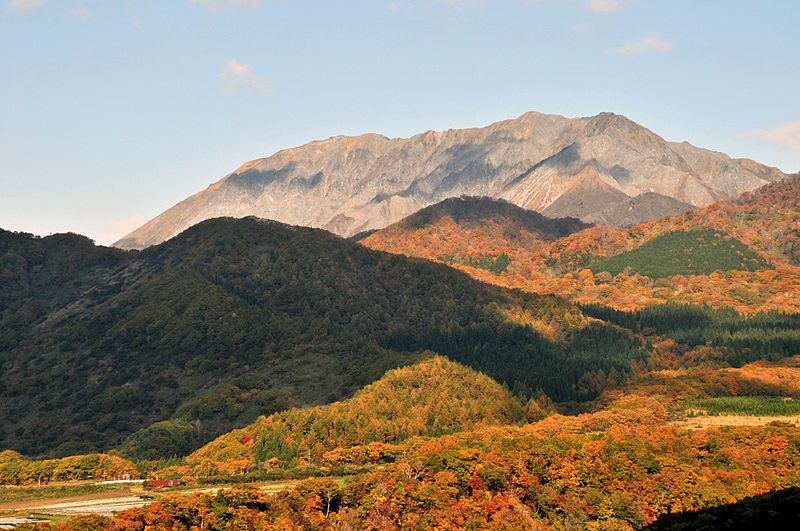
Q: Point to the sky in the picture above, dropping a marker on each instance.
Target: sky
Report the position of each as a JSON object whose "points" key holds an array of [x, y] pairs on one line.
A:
{"points": [[111, 111]]}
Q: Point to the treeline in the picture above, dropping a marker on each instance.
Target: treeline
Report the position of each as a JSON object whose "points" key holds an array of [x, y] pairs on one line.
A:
{"points": [[528, 363], [740, 338], [16, 470], [433, 397], [743, 405]]}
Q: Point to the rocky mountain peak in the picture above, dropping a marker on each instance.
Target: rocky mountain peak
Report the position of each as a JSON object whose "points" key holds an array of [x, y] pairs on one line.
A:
{"points": [[349, 184]]}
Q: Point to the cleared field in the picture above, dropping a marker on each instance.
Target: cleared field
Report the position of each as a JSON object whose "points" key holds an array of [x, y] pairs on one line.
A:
{"points": [[709, 421], [76, 490], [45, 506]]}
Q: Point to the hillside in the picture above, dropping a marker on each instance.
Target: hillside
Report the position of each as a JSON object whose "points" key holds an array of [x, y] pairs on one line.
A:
{"points": [[537, 161], [693, 252], [757, 268], [623, 467], [238, 318], [477, 232], [777, 509], [475, 212], [433, 397]]}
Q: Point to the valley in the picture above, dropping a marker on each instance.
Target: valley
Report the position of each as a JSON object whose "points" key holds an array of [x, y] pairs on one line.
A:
{"points": [[475, 363]]}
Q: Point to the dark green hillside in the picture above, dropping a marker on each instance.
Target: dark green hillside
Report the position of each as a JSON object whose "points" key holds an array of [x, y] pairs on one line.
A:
{"points": [[744, 405], [237, 318], [741, 339], [694, 252], [40, 275]]}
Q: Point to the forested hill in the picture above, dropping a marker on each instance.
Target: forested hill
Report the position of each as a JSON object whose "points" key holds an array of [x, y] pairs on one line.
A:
{"points": [[233, 319], [475, 212], [433, 397], [473, 231]]}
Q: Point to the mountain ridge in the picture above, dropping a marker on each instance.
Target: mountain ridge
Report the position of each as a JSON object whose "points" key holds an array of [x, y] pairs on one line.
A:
{"points": [[350, 184], [239, 317]]}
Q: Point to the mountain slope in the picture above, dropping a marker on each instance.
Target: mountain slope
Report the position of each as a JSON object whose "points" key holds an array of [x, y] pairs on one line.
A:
{"points": [[475, 212], [433, 397], [237, 318], [351, 184], [471, 232], [693, 252], [595, 199], [757, 270]]}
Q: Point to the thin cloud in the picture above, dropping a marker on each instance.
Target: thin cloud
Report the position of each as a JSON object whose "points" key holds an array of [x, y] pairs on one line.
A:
{"points": [[398, 6], [650, 44], [239, 77], [25, 5], [787, 134], [462, 4], [83, 13], [595, 6], [222, 5], [604, 6]]}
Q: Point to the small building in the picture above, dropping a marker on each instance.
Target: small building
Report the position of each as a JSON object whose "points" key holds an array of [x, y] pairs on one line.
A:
{"points": [[161, 483]]}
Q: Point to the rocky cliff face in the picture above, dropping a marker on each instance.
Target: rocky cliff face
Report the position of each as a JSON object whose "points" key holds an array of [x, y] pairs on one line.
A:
{"points": [[589, 168]]}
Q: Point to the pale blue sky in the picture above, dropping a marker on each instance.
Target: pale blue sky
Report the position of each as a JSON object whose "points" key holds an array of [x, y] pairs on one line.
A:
{"points": [[113, 110]]}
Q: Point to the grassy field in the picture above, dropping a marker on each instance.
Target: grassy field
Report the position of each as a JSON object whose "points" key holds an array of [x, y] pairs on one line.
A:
{"points": [[33, 492], [743, 405], [695, 252], [718, 421]]}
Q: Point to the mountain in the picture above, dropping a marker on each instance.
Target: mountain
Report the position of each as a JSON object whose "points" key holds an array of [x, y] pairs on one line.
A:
{"points": [[433, 397], [234, 318], [597, 201], [477, 212], [351, 184], [477, 232]]}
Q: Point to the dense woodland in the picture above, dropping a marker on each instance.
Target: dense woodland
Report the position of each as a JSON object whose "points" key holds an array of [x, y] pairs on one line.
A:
{"points": [[174, 345], [433, 397], [737, 338], [692, 252], [619, 468]]}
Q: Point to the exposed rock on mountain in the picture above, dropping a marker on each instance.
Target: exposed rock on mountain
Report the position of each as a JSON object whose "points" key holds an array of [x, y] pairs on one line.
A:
{"points": [[347, 185], [595, 199]]}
